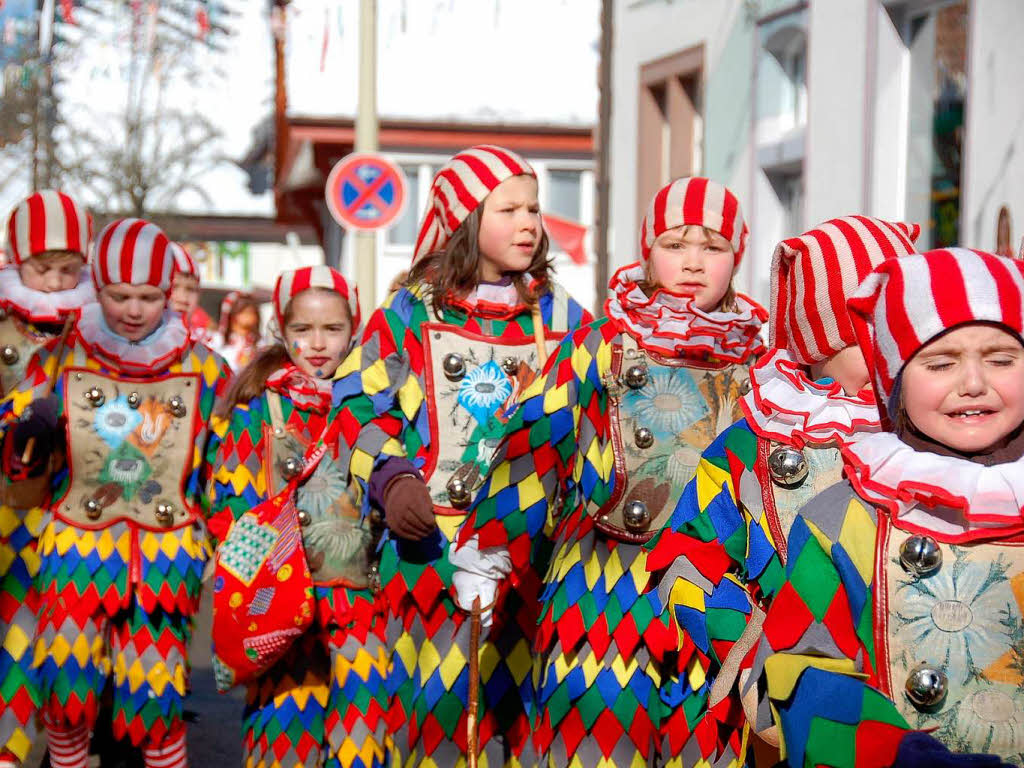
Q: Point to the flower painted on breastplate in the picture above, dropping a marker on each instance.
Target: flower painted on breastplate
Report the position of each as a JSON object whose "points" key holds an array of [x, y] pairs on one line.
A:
{"points": [[323, 488], [669, 403], [127, 468], [483, 390], [115, 420]]}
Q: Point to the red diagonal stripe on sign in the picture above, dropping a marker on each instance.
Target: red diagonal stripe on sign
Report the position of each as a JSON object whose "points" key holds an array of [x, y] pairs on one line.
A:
{"points": [[370, 191]]}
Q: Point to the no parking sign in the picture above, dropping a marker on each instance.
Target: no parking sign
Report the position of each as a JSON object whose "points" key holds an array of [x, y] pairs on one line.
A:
{"points": [[366, 191]]}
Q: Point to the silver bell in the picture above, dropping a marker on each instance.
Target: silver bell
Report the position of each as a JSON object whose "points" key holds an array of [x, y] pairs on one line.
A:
{"points": [[291, 467], [926, 686], [304, 518], [636, 376], [95, 397], [643, 437], [9, 355], [787, 466], [93, 509], [454, 366], [510, 365], [176, 405], [636, 515], [920, 556], [134, 399], [458, 493], [165, 513]]}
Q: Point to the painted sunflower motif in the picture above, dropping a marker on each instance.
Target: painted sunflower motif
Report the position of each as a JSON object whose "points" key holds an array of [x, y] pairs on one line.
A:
{"points": [[483, 390], [669, 403], [115, 420], [127, 468], [323, 489], [988, 718]]}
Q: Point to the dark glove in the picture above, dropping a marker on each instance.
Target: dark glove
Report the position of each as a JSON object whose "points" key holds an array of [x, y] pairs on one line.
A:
{"points": [[39, 424], [922, 750], [408, 508]]}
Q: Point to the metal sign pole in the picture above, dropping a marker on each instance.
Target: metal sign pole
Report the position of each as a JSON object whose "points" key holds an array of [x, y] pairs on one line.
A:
{"points": [[367, 131]]}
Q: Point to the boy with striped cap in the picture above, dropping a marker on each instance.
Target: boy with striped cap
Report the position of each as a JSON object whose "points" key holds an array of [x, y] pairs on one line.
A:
{"points": [[123, 551], [48, 239], [895, 639]]}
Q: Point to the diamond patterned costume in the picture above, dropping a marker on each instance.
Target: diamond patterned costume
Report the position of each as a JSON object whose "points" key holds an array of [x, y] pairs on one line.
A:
{"points": [[324, 702], [611, 676], [116, 596], [392, 401]]}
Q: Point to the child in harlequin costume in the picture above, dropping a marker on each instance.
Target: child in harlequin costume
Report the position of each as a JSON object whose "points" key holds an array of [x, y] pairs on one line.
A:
{"points": [[324, 703], [238, 329], [49, 236], [896, 637], [602, 446], [124, 550], [809, 395], [424, 401], [185, 293]]}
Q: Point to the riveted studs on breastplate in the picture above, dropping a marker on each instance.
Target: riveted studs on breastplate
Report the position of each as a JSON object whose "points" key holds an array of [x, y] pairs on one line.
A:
{"points": [[454, 366], [93, 509], [176, 405], [636, 376], [458, 493], [304, 518], [510, 365], [787, 466], [636, 516], [9, 355], [920, 556], [134, 399], [165, 514], [291, 467], [926, 686], [643, 437], [95, 397]]}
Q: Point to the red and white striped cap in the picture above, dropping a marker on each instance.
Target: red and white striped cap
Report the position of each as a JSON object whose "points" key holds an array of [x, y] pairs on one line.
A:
{"points": [[460, 187], [183, 262], [133, 251], [815, 273], [291, 284], [699, 201], [906, 302], [48, 221]]}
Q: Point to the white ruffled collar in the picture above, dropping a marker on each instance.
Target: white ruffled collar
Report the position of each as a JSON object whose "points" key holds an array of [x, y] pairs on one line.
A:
{"points": [[39, 306], [154, 354], [946, 496], [784, 404], [669, 324]]}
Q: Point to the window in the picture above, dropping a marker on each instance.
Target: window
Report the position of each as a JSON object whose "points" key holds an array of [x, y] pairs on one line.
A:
{"points": [[564, 193], [404, 232]]}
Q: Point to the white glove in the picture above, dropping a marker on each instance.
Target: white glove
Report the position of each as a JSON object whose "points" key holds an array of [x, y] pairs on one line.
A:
{"points": [[478, 574]]}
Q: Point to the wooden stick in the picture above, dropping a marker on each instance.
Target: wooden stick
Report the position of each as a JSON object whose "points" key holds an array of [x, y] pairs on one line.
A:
{"points": [[539, 338], [472, 747], [51, 382]]}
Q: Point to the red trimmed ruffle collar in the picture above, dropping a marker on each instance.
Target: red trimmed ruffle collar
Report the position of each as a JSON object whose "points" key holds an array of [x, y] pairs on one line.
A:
{"points": [[39, 306], [154, 354]]}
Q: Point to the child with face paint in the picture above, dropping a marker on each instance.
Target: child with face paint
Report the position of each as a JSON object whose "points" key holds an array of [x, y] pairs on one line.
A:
{"points": [[324, 702], [123, 551], [48, 236], [809, 396], [594, 458], [896, 637], [423, 402]]}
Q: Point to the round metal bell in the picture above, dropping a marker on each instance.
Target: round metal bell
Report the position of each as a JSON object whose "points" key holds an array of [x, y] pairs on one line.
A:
{"points": [[458, 493], [920, 556], [9, 355], [454, 366], [134, 399], [635, 377], [165, 513], [926, 686], [95, 396], [291, 467], [643, 437], [376, 516], [304, 518], [787, 466], [636, 516], [176, 405], [510, 365], [93, 509]]}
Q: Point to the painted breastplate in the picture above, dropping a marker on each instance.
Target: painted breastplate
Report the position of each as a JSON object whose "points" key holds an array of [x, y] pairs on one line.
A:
{"points": [[473, 383], [950, 638], [340, 544], [17, 345], [130, 449], [663, 413], [789, 478]]}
